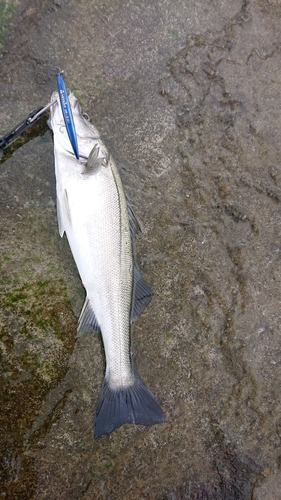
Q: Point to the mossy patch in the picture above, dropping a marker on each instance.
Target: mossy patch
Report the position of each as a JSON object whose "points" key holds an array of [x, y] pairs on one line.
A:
{"points": [[38, 324], [173, 34], [37, 330], [7, 8]]}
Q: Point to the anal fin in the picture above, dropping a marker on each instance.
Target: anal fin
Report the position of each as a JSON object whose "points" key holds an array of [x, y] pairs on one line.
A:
{"points": [[87, 319]]}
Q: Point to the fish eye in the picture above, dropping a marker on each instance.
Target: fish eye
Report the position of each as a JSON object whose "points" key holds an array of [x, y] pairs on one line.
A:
{"points": [[86, 116]]}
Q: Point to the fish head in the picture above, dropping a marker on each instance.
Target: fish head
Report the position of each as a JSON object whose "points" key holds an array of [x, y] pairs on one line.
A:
{"points": [[87, 134]]}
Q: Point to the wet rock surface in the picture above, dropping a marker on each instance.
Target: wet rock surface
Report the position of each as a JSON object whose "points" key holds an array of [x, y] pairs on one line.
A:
{"points": [[186, 97]]}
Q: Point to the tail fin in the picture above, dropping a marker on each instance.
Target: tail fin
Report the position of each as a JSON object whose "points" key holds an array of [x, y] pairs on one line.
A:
{"points": [[133, 405]]}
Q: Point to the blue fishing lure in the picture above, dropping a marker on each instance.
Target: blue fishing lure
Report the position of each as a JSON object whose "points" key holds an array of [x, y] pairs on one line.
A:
{"points": [[67, 114]]}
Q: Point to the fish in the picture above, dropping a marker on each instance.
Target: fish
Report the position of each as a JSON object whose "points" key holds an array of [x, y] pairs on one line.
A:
{"points": [[101, 227]]}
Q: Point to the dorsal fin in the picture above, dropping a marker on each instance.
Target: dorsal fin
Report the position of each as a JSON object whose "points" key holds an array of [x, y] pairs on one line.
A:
{"points": [[141, 295], [135, 226]]}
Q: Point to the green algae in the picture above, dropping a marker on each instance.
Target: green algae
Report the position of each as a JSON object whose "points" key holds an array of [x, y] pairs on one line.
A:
{"points": [[37, 335], [173, 34], [40, 309], [168, 335], [7, 8]]}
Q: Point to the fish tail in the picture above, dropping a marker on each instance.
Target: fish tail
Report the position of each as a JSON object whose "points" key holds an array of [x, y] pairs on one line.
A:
{"points": [[134, 405]]}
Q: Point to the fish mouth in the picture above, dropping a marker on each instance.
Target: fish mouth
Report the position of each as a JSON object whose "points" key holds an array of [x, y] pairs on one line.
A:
{"points": [[85, 139], [55, 99]]}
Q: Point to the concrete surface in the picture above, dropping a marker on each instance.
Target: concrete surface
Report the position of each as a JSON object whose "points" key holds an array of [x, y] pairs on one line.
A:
{"points": [[186, 96]]}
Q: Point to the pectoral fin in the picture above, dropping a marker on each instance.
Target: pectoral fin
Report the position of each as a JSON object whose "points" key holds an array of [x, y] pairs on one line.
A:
{"points": [[95, 161], [63, 212]]}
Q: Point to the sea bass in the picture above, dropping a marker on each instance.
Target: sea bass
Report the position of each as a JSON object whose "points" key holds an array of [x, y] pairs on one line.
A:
{"points": [[101, 227]]}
